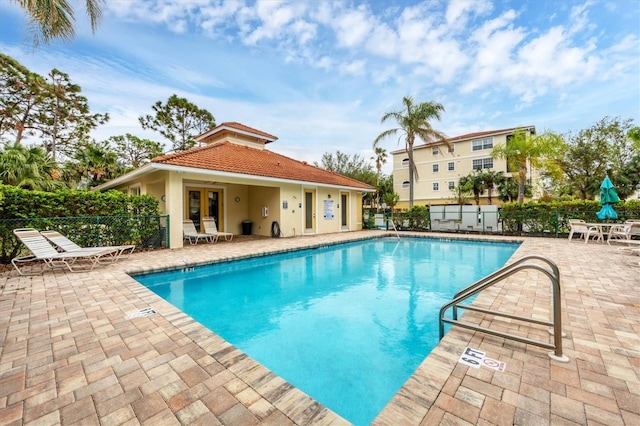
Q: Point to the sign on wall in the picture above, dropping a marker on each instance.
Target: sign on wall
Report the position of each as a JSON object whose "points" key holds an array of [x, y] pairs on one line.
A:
{"points": [[328, 209]]}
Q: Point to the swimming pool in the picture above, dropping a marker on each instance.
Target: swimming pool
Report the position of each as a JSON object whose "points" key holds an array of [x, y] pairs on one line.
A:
{"points": [[347, 324]]}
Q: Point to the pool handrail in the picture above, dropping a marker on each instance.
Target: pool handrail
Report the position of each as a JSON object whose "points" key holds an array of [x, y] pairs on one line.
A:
{"points": [[393, 225], [553, 266], [554, 276]]}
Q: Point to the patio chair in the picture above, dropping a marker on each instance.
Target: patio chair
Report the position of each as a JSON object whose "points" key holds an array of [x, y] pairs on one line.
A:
{"points": [[66, 245], [580, 227], [190, 233], [210, 227], [624, 231], [42, 251], [635, 227]]}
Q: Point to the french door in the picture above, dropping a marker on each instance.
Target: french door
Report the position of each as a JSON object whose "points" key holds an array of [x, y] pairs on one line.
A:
{"points": [[202, 202]]}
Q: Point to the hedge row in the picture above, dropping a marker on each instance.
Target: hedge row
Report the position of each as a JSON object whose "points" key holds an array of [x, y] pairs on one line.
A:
{"points": [[540, 218], [87, 217], [20, 203]]}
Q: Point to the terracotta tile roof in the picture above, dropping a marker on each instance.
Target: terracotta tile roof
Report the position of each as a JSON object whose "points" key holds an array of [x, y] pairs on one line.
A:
{"points": [[238, 126], [485, 133], [468, 136], [233, 158]]}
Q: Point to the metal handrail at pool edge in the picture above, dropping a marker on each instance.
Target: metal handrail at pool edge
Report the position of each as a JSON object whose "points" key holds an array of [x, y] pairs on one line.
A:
{"points": [[554, 276]]}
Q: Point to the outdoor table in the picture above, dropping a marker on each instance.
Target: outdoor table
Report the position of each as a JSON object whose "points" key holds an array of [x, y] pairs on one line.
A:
{"points": [[602, 229]]}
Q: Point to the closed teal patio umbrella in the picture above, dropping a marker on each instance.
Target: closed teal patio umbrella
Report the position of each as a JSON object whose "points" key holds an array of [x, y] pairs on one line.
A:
{"points": [[608, 197]]}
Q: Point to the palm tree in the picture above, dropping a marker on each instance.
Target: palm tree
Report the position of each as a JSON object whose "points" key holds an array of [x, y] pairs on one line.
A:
{"points": [[491, 179], [55, 19], [94, 163], [462, 191], [507, 187], [413, 121], [29, 168], [476, 183], [525, 149], [380, 158], [391, 199]]}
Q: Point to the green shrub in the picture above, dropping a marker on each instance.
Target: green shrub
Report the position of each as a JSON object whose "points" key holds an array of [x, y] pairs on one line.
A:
{"points": [[89, 218], [536, 217]]}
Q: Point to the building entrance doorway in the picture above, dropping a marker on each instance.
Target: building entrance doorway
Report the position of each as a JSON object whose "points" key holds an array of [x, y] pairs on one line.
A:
{"points": [[309, 211], [202, 202]]}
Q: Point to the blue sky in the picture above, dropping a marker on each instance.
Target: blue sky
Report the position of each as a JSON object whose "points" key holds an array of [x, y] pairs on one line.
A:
{"points": [[320, 74]]}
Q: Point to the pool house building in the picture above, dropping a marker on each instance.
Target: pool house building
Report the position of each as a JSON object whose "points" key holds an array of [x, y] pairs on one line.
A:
{"points": [[246, 188]]}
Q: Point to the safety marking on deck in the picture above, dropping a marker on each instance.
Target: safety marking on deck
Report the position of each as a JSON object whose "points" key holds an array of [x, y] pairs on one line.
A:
{"points": [[145, 312], [476, 359]]}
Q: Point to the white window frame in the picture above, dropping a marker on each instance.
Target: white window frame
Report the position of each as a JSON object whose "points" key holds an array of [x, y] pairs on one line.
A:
{"points": [[405, 163], [482, 144], [451, 166], [484, 163], [436, 186], [405, 184], [452, 185], [435, 168], [435, 150], [134, 190]]}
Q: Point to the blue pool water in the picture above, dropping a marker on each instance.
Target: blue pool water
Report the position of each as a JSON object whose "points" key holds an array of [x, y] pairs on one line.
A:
{"points": [[347, 324]]}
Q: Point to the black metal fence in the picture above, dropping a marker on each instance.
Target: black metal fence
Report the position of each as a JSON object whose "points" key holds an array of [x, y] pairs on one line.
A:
{"points": [[146, 232]]}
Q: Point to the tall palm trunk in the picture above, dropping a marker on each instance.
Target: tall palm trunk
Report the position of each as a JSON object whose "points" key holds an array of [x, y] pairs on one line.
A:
{"points": [[412, 167], [522, 178]]}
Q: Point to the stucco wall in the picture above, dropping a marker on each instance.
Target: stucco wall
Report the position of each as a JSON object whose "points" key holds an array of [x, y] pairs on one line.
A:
{"points": [[243, 199], [425, 158], [259, 198], [291, 216], [236, 202]]}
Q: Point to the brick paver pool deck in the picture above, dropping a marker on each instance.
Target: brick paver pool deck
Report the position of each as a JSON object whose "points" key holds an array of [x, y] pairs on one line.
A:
{"points": [[69, 354]]}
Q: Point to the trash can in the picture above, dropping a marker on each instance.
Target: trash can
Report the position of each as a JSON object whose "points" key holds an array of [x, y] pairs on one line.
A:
{"points": [[246, 227]]}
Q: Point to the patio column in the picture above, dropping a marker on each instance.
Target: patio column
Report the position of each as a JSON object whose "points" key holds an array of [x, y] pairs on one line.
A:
{"points": [[174, 207]]}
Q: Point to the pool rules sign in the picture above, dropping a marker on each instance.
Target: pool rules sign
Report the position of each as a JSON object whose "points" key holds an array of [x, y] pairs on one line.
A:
{"points": [[476, 359]]}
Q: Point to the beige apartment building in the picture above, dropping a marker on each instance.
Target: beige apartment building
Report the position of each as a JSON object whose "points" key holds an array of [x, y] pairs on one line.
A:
{"points": [[440, 168]]}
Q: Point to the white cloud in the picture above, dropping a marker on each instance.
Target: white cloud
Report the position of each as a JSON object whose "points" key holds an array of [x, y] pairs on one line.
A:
{"points": [[353, 68], [304, 31], [324, 62], [274, 18], [494, 43], [386, 74], [383, 41], [214, 18], [579, 18], [171, 13], [459, 11], [353, 26]]}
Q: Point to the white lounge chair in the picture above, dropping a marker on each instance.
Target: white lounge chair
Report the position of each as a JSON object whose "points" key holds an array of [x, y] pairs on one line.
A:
{"points": [[65, 244], [580, 227], [42, 251], [190, 233], [624, 231], [210, 227]]}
